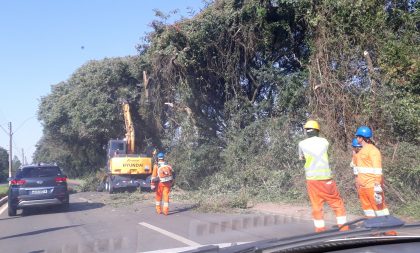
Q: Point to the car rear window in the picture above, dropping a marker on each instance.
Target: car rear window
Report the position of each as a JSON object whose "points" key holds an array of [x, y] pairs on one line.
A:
{"points": [[38, 172]]}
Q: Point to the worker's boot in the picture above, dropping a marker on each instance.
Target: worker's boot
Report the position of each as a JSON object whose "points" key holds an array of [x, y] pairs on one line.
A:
{"points": [[344, 228], [390, 233], [158, 209], [165, 210]]}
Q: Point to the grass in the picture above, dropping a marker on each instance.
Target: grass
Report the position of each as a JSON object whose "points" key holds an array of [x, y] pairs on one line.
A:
{"points": [[411, 210], [212, 203], [3, 190]]}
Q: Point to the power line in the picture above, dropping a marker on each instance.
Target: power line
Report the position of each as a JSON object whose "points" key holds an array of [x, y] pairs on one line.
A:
{"points": [[4, 130], [26, 120]]}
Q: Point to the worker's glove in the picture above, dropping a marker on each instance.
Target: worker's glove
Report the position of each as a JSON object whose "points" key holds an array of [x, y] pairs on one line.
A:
{"points": [[153, 187], [378, 198], [377, 188]]}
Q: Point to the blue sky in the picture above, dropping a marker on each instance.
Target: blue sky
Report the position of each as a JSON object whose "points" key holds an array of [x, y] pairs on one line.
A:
{"points": [[41, 45]]}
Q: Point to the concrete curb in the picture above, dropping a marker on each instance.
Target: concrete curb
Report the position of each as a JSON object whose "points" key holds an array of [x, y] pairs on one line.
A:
{"points": [[200, 228], [3, 200]]}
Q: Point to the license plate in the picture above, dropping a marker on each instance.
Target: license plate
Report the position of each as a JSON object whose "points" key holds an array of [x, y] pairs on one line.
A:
{"points": [[39, 192]]}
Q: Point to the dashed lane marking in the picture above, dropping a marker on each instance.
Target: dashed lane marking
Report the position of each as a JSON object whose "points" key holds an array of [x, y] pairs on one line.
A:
{"points": [[170, 234]]}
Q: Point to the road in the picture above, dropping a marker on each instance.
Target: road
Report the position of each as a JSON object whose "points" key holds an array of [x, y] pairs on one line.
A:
{"points": [[98, 222]]}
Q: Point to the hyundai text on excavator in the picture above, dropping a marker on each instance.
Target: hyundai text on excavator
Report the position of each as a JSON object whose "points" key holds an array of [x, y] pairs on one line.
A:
{"points": [[125, 169]]}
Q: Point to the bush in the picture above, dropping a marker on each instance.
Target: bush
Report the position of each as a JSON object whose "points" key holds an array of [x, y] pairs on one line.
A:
{"points": [[92, 181], [221, 201], [261, 163], [194, 164], [402, 171]]}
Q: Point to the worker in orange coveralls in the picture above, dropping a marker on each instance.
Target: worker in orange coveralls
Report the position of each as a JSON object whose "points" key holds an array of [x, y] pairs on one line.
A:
{"points": [[369, 179], [162, 178], [321, 187]]}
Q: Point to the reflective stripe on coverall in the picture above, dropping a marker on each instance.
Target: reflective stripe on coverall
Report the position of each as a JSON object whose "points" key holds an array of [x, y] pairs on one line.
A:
{"points": [[369, 168], [321, 188], [163, 173]]}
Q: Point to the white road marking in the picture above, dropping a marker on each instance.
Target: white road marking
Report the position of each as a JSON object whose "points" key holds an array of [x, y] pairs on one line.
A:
{"points": [[171, 235], [183, 249], [3, 208]]}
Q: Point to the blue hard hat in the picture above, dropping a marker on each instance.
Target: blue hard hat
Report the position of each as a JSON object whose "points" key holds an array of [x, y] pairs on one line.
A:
{"points": [[355, 144], [161, 155], [364, 131]]}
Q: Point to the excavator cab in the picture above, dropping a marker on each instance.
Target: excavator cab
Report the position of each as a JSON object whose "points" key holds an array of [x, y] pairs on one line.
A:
{"points": [[116, 148]]}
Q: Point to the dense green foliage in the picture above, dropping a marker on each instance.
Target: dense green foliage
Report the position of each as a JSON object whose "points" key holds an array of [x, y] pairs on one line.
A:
{"points": [[4, 164], [230, 88], [83, 113]]}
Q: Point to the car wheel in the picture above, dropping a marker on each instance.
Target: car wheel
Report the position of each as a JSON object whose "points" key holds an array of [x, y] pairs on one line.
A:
{"points": [[11, 210], [110, 187]]}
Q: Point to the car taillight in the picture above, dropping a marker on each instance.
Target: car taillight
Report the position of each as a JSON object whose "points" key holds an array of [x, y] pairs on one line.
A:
{"points": [[60, 179], [17, 182]]}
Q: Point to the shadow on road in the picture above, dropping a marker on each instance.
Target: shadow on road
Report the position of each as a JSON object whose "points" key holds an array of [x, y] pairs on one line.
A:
{"points": [[84, 206], [74, 207], [9, 218], [182, 209], [38, 232]]}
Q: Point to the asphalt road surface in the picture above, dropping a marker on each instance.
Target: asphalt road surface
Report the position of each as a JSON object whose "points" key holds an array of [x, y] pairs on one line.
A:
{"points": [[98, 222]]}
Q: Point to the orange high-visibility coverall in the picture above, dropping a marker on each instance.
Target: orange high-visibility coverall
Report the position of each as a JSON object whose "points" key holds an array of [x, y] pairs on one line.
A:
{"points": [[369, 172], [162, 175], [321, 188]]}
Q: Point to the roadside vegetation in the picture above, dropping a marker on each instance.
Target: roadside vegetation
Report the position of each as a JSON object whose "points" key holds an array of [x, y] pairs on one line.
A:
{"points": [[4, 165], [230, 88], [3, 190]]}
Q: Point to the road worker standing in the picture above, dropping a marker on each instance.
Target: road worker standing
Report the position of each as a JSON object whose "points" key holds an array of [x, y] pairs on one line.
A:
{"points": [[162, 177], [321, 187], [369, 175]]}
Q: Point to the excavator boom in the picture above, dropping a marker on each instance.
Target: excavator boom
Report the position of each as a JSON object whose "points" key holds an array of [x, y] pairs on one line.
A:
{"points": [[129, 127]]}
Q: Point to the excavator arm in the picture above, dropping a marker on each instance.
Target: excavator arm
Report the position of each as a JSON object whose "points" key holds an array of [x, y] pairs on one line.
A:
{"points": [[129, 127]]}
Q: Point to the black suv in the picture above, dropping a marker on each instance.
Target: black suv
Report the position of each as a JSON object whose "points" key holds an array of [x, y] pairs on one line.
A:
{"points": [[37, 185]]}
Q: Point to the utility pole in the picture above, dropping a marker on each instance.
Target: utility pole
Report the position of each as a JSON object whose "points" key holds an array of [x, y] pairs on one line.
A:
{"points": [[23, 157], [10, 149]]}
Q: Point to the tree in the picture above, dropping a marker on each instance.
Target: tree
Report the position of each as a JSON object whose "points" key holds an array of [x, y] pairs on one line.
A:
{"points": [[83, 113], [235, 63], [4, 164], [229, 90], [364, 68], [16, 163]]}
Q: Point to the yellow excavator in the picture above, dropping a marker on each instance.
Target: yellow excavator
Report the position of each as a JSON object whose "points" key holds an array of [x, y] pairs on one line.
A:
{"points": [[125, 169]]}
